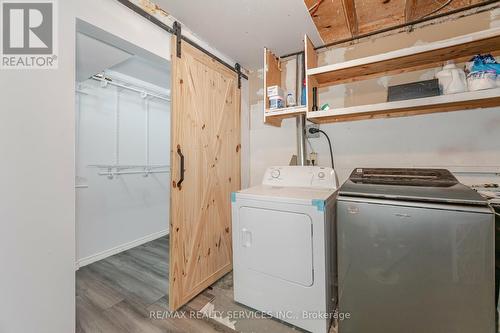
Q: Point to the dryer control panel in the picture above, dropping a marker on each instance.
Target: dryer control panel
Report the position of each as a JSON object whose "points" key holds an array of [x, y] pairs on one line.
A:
{"points": [[300, 176]]}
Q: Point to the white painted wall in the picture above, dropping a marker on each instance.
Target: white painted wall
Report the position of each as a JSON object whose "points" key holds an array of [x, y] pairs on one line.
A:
{"points": [[37, 174], [123, 212], [269, 145], [245, 134], [466, 142], [37, 209]]}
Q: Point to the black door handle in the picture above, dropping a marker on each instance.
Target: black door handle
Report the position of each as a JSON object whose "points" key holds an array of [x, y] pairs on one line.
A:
{"points": [[179, 151]]}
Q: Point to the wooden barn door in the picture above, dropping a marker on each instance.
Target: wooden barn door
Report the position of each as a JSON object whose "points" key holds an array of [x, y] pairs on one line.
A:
{"points": [[206, 144]]}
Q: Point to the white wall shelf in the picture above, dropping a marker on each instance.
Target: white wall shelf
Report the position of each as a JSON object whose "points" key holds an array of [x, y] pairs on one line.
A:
{"points": [[443, 103], [274, 117], [410, 59], [407, 59]]}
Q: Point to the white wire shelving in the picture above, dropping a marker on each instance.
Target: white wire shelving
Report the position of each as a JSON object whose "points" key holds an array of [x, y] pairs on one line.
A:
{"points": [[111, 171], [105, 81]]}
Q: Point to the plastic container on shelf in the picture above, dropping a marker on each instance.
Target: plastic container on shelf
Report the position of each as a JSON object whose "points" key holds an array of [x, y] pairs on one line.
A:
{"points": [[482, 80], [290, 100]]}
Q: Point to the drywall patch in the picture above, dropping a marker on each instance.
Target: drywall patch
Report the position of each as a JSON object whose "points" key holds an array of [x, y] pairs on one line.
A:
{"points": [[332, 56], [420, 42], [429, 75], [290, 69], [334, 95], [383, 81]]}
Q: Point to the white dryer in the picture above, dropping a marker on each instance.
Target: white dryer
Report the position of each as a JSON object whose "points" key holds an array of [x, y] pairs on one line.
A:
{"points": [[284, 249]]}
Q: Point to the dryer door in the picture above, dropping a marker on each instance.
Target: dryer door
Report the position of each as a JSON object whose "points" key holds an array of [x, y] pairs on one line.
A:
{"points": [[277, 243]]}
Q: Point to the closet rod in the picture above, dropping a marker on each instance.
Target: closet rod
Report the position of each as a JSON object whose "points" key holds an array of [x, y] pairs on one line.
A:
{"points": [[117, 166], [100, 79], [145, 172]]}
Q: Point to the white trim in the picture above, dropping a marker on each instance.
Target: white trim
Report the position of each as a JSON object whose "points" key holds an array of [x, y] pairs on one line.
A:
{"points": [[115, 250]]}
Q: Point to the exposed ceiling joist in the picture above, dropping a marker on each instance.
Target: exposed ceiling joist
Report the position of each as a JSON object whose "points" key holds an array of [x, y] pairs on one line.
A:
{"points": [[410, 7], [351, 16], [341, 20]]}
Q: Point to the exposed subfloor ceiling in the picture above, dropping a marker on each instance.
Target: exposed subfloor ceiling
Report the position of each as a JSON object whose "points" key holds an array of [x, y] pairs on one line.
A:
{"points": [[338, 20]]}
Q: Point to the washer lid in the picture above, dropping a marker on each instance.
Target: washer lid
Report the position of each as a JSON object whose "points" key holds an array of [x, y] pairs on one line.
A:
{"points": [[428, 185]]}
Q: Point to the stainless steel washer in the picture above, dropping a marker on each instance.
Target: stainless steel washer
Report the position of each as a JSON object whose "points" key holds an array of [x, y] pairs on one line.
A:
{"points": [[415, 254]]}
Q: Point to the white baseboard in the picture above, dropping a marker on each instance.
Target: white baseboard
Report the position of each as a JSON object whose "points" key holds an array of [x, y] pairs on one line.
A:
{"points": [[115, 250]]}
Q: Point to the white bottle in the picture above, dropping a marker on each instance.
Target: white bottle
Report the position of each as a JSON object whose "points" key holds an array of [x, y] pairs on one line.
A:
{"points": [[451, 79], [290, 100]]}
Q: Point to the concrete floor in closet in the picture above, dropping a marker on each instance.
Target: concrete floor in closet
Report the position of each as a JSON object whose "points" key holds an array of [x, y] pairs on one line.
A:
{"points": [[119, 293]]}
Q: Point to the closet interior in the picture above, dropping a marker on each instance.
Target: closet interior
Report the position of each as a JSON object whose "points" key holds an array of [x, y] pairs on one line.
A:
{"points": [[122, 147]]}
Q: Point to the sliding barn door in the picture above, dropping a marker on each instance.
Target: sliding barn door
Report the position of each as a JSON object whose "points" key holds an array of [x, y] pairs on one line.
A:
{"points": [[205, 170]]}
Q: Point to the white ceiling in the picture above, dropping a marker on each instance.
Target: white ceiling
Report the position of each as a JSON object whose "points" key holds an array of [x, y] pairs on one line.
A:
{"points": [[94, 56], [242, 28], [98, 50], [155, 73]]}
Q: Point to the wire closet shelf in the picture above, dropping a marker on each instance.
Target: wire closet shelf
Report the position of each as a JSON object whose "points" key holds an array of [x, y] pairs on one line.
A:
{"points": [[111, 171]]}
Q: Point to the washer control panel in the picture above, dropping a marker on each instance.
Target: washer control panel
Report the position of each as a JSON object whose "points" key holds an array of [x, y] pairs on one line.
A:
{"points": [[300, 176], [276, 173]]}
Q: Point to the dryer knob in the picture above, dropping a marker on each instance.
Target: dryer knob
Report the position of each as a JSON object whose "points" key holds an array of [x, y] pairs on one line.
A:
{"points": [[275, 173], [321, 175]]}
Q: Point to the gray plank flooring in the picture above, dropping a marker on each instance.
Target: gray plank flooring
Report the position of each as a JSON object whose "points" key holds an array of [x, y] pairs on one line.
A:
{"points": [[119, 293]]}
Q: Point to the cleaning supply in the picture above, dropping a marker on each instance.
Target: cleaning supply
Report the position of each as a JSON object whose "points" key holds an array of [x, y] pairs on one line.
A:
{"points": [[290, 100], [303, 96], [483, 63], [482, 80], [276, 102], [275, 91], [452, 79], [315, 99], [484, 72]]}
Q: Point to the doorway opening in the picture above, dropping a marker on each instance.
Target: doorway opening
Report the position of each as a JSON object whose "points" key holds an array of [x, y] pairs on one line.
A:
{"points": [[122, 179]]}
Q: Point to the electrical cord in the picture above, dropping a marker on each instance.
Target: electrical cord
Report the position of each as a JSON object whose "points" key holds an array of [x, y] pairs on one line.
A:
{"points": [[441, 6], [313, 130]]}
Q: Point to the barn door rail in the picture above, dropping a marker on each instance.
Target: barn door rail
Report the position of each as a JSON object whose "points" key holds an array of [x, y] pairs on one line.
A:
{"points": [[171, 30]]}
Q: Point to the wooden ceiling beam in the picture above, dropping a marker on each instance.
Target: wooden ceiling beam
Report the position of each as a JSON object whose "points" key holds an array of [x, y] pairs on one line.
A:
{"points": [[344, 20], [351, 16], [410, 9]]}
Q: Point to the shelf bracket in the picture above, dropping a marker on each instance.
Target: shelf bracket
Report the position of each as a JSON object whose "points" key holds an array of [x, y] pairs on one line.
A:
{"points": [[178, 36], [238, 71]]}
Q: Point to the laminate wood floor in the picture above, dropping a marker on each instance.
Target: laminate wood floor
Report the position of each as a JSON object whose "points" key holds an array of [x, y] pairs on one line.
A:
{"points": [[128, 292]]}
